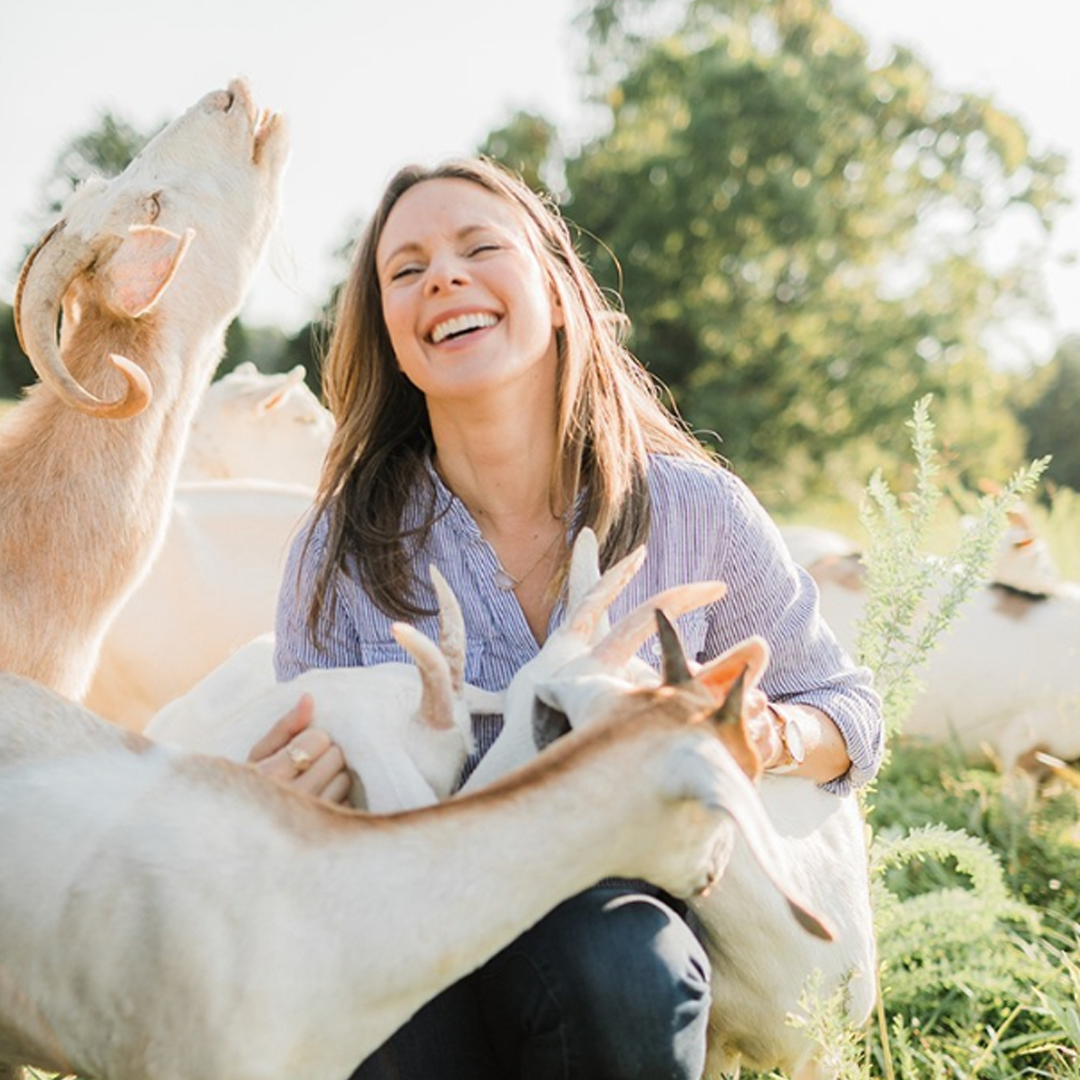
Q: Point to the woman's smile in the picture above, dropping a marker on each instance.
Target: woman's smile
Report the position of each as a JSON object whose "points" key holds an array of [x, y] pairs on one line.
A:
{"points": [[455, 327]]}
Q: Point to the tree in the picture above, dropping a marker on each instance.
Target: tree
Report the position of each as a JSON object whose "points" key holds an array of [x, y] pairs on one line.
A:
{"points": [[105, 150], [1049, 414], [795, 232], [525, 144], [15, 370]]}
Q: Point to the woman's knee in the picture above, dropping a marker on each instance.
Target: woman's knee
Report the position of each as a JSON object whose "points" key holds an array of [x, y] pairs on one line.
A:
{"points": [[621, 948], [615, 979]]}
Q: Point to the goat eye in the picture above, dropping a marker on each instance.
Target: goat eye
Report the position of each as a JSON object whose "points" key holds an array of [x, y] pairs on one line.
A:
{"points": [[152, 206]]}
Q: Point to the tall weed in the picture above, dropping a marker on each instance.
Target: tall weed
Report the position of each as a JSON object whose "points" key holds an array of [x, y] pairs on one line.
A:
{"points": [[976, 894]]}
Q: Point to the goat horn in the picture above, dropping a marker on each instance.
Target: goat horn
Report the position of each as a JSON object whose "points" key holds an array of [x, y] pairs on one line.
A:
{"points": [[588, 615], [451, 630], [46, 276], [633, 629], [676, 670], [437, 692]]}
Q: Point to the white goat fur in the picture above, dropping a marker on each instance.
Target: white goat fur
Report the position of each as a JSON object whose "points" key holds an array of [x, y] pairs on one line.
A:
{"points": [[212, 588], [405, 730], [262, 935], [247, 478], [258, 426], [150, 268], [762, 958], [1004, 677], [820, 868]]}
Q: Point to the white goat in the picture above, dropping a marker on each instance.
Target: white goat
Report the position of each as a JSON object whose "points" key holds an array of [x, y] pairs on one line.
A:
{"points": [[252, 425], [575, 645], [762, 959], [212, 588], [405, 731], [263, 935], [1005, 676], [149, 269], [1022, 561]]}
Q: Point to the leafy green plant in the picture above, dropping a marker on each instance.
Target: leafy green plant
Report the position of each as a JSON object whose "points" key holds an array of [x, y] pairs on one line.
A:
{"points": [[977, 974], [912, 597]]}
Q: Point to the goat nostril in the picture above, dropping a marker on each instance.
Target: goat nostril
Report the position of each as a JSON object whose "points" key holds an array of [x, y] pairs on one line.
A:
{"points": [[230, 100]]}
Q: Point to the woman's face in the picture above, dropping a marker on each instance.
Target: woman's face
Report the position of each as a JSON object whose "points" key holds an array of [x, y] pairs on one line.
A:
{"points": [[468, 307]]}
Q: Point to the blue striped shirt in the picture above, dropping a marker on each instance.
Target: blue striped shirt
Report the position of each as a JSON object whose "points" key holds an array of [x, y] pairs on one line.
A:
{"points": [[706, 525]]}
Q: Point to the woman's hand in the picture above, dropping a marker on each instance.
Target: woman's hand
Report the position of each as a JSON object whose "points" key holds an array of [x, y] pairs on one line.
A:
{"points": [[301, 757]]}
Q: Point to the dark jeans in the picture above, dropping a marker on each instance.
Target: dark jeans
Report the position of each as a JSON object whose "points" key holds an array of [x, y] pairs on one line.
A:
{"points": [[611, 985]]}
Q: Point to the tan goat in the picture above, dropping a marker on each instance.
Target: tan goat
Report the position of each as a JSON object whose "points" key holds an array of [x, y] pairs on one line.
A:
{"points": [[149, 269]]}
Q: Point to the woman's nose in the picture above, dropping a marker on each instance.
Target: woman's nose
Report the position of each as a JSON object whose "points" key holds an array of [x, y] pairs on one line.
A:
{"points": [[445, 273]]}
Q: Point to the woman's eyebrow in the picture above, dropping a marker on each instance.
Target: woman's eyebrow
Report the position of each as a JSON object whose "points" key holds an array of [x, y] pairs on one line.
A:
{"points": [[463, 233]]}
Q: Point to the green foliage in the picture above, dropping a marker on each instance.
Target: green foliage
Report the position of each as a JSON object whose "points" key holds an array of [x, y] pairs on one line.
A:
{"points": [[526, 144], [15, 370], [796, 231], [105, 150], [950, 940], [1048, 415], [976, 892], [977, 895], [911, 598]]}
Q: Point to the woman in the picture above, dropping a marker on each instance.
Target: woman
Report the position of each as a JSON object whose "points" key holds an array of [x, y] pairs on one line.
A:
{"points": [[486, 410]]}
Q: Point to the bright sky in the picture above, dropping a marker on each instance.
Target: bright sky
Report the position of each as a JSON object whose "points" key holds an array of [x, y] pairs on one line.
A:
{"points": [[369, 86]]}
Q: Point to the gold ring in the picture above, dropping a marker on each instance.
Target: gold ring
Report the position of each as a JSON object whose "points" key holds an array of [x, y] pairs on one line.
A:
{"points": [[300, 758]]}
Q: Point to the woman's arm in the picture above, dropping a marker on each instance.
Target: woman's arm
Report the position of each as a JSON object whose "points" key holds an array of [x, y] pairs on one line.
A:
{"points": [[810, 677], [802, 741]]}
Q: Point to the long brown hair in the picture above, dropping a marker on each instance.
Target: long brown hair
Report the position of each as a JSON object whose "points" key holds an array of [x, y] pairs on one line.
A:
{"points": [[609, 415]]}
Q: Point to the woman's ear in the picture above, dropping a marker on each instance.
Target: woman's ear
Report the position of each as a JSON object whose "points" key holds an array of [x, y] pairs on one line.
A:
{"points": [[558, 316]]}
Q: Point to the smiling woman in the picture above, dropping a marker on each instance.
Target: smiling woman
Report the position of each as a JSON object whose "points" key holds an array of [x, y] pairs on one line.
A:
{"points": [[468, 307], [487, 412]]}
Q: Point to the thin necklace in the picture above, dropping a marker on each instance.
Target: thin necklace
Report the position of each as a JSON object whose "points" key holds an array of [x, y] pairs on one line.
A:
{"points": [[506, 581]]}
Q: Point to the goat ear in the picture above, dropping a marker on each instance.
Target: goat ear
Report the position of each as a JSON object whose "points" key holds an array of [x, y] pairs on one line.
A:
{"points": [[729, 721], [143, 266], [762, 842], [708, 774], [748, 660]]}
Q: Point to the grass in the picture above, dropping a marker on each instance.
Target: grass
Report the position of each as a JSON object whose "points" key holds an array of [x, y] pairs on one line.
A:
{"points": [[983, 980]]}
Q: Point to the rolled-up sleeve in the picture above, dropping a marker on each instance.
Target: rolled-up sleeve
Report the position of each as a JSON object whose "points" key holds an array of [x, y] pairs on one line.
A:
{"points": [[770, 596]]}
